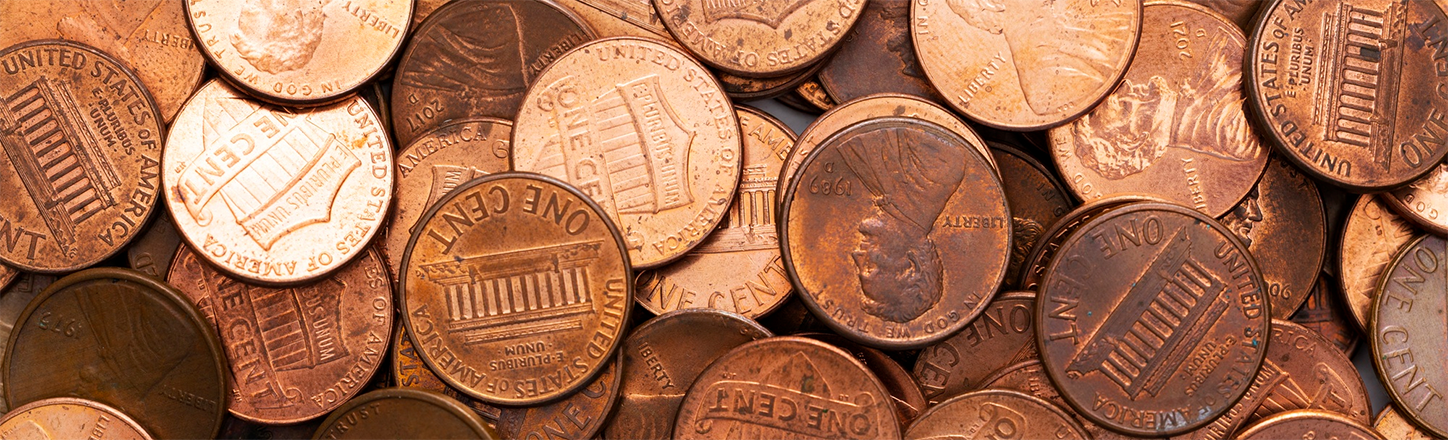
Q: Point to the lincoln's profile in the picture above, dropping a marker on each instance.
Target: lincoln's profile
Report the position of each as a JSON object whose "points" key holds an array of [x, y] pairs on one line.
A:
{"points": [[279, 35]]}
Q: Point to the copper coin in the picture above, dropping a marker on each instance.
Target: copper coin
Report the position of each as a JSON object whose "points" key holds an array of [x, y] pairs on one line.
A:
{"points": [[759, 38], [7, 274], [743, 87], [814, 93], [12, 303], [516, 288], [126, 340], [1392, 425], [1371, 237], [878, 224], [150, 37], [908, 400], [1284, 227], [878, 56], [1308, 424], [784, 387], [1423, 202], [409, 371], [237, 429], [153, 251], [738, 267], [378, 97], [1048, 245], [662, 358], [1325, 313], [1030, 377], [436, 162], [399, 413], [299, 52], [580, 416], [82, 148], [1036, 202], [1408, 320], [478, 58], [421, 9], [643, 130], [68, 417], [1334, 104], [620, 18], [995, 414], [1002, 336], [1152, 320], [1175, 128], [1239, 11], [276, 195], [794, 101], [1026, 65]]}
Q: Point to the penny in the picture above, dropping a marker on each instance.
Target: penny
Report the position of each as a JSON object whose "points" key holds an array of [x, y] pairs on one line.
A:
{"points": [[1000, 337], [794, 101], [1423, 202], [516, 288], [1281, 220], [1030, 377], [153, 251], [295, 52], [1176, 127], [1152, 308], [878, 56], [1325, 313], [621, 18], [580, 416], [786, 386], [1024, 65], [436, 162], [400, 413], [12, 303], [276, 195], [642, 129], [662, 358], [1372, 236], [743, 87], [1308, 424], [909, 402], [421, 9], [1406, 318], [814, 93], [68, 417], [992, 414], [1239, 11], [875, 223], [1048, 245], [1392, 425], [122, 339], [759, 38], [409, 371], [82, 145], [150, 37], [7, 274], [237, 429], [1036, 202], [737, 268], [478, 59]]}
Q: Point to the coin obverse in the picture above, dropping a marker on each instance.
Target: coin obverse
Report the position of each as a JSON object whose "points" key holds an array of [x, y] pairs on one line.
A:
{"points": [[399, 413], [994, 414], [1282, 222], [762, 38], [68, 417]]}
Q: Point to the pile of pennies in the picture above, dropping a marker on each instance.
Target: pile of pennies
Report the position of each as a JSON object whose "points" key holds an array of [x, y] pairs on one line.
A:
{"points": [[556, 219]]}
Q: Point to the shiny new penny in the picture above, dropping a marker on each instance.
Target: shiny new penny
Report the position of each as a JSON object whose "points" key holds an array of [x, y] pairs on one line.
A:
{"points": [[1152, 308], [12, 303], [1036, 202], [878, 223], [1308, 424], [1002, 336], [477, 58], [153, 252], [1371, 237], [759, 38], [877, 57], [82, 143], [737, 268], [909, 402], [276, 195], [1239, 11], [1033, 269], [995, 414], [1282, 222], [1391, 424], [298, 52], [150, 36], [1176, 126], [662, 357], [68, 417], [399, 413], [1024, 65], [1408, 321], [516, 289], [784, 386], [126, 340], [436, 162], [1326, 313], [643, 130], [1030, 377], [1423, 202]]}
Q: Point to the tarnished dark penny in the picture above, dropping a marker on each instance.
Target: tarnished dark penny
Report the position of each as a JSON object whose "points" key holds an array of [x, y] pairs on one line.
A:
{"points": [[759, 38], [1152, 320], [1030, 377], [1036, 202], [421, 9], [1408, 321], [82, 143], [409, 371], [7, 274], [516, 289], [878, 223], [794, 101], [1176, 128], [477, 58], [995, 414], [400, 413], [153, 251], [814, 93], [1281, 220], [877, 56], [662, 358], [1371, 237], [738, 267], [909, 402], [12, 303], [620, 18], [743, 87], [786, 386], [1002, 336], [1308, 424], [69, 417], [1027, 65], [1392, 425], [1342, 92], [234, 428], [1326, 313], [1423, 202], [1033, 269], [1239, 11], [126, 340]]}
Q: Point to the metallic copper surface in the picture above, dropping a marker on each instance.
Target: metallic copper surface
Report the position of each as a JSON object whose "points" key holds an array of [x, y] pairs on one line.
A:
{"points": [[1308, 424], [12, 303], [1030, 377], [794, 101], [276, 195], [1357, 104], [909, 402], [82, 145], [153, 251], [1033, 269], [1392, 425], [743, 87], [516, 288], [409, 371], [399, 413], [737, 268], [1285, 229], [1026, 65], [995, 414], [1152, 319], [1036, 202], [759, 39], [787, 386], [1326, 313], [621, 18], [1176, 126], [234, 428], [580, 416], [662, 358], [68, 417], [478, 58], [126, 340], [814, 93], [1423, 202], [1372, 236], [421, 9], [299, 53], [1002, 336], [879, 224], [7, 274], [1241, 12], [1408, 321], [877, 56], [642, 129]]}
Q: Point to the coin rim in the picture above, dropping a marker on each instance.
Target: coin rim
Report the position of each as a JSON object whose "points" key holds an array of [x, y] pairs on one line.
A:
{"points": [[1395, 398], [1051, 407], [101, 407], [1287, 416], [447, 404]]}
